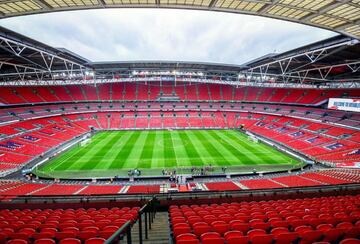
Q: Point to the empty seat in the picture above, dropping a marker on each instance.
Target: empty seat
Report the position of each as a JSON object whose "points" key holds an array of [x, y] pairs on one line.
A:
{"points": [[261, 239], [350, 241], [17, 241], [220, 227], [286, 238], [211, 238], [187, 238], [310, 236], [95, 241], [44, 241], [70, 241], [200, 229]]}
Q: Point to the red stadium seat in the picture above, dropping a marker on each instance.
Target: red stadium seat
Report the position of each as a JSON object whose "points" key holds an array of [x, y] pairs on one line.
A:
{"points": [[261, 239], [256, 232], [95, 241], [188, 238], [286, 238], [302, 229], [21, 236], [237, 240], [333, 235], [105, 234], [17, 241], [243, 227], [279, 230], [211, 238], [350, 241], [310, 236], [181, 230], [43, 235], [194, 241], [233, 237], [353, 232], [44, 241], [84, 235], [70, 241], [220, 227], [233, 233], [344, 225], [201, 229]]}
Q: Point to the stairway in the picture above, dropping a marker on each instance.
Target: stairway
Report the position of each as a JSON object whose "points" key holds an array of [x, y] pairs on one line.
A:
{"points": [[159, 233]]}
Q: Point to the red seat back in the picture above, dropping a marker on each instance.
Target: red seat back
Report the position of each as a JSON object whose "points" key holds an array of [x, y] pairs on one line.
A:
{"points": [[70, 241], [237, 240], [261, 239], [286, 238], [201, 229], [95, 241], [350, 241], [44, 241], [186, 237], [215, 240]]}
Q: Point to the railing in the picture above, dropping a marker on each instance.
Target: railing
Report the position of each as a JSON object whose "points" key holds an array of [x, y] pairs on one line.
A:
{"points": [[146, 214]]}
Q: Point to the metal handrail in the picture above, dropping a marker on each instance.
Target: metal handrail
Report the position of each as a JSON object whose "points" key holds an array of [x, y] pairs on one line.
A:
{"points": [[149, 210], [119, 232]]}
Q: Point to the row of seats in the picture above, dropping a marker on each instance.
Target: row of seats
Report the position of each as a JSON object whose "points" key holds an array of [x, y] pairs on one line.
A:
{"points": [[151, 91], [58, 129], [95, 240], [315, 144], [323, 177], [63, 225], [13, 189], [335, 116], [327, 219]]}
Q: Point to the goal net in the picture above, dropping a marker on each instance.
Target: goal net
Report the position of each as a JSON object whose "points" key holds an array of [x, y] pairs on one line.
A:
{"points": [[253, 138], [85, 142]]}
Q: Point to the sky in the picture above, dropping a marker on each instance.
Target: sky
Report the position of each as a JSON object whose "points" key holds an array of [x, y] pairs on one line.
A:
{"points": [[165, 34]]}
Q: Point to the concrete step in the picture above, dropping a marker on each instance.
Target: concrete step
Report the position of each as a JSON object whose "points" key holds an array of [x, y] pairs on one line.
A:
{"points": [[159, 232]]}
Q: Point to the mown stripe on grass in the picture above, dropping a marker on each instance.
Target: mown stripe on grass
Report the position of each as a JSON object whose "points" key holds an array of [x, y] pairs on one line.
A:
{"points": [[232, 156], [124, 153], [257, 152], [257, 149], [68, 159], [111, 156], [191, 151], [217, 157], [134, 156], [108, 153], [235, 146], [147, 151], [97, 154], [158, 160], [169, 153], [180, 150]]}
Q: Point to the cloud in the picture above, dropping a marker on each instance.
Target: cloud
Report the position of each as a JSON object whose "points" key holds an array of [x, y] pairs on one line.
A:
{"points": [[165, 34]]}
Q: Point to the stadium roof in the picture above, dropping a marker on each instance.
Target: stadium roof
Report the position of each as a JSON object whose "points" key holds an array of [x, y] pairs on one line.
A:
{"points": [[332, 62], [337, 15]]}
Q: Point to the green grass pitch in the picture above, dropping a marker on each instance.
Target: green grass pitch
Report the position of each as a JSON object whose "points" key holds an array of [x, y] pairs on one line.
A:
{"points": [[113, 153]]}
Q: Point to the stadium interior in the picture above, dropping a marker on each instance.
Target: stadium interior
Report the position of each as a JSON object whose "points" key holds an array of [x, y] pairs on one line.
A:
{"points": [[266, 152]]}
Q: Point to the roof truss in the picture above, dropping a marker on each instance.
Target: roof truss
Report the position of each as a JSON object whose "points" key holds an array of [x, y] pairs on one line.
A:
{"points": [[337, 15]]}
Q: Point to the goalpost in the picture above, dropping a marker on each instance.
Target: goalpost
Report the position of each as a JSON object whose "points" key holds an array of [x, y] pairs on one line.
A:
{"points": [[86, 141], [252, 137]]}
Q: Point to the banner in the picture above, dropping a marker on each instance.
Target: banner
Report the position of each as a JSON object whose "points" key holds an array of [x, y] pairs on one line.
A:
{"points": [[346, 104], [355, 165]]}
